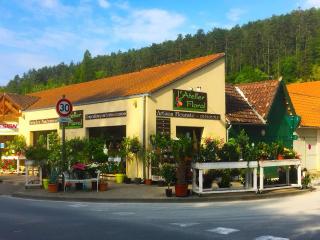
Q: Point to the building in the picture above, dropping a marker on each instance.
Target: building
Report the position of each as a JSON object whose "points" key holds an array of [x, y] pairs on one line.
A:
{"points": [[306, 100], [182, 98], [263, 109]]}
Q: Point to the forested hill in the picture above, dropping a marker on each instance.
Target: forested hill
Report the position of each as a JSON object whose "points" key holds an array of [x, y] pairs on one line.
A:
{"points": [[286, 45]]}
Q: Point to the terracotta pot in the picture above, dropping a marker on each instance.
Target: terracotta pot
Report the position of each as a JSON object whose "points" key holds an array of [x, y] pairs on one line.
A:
{"points": [[169, 192], [103, 186], [52, 187], [280, 157], [181, 190], [148, 182]]}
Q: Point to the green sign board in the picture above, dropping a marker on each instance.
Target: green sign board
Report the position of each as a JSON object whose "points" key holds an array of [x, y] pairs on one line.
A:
{"points": [[189, 100], [76, 120]]}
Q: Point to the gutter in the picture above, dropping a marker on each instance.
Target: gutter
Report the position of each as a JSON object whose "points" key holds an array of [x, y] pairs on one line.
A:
{"points": [[93, 102]]}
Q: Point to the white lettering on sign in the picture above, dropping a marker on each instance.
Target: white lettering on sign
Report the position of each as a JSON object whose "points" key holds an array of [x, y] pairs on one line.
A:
{"points": [[9, 125]]}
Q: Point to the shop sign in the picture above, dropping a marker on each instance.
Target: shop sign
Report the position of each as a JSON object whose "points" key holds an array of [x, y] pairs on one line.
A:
{"points": [[163, 126], [106, 115], [76, 120], [189, 100], [8, 125], [9, 128], [43, 121], [180, 114]]}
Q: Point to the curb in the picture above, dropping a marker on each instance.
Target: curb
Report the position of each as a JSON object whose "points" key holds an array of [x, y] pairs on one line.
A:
{"points": [[195, 199]]}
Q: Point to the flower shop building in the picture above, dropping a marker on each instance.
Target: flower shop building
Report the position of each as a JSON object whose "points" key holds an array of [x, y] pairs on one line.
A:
{"points": [[306, 100], [182, 98]]}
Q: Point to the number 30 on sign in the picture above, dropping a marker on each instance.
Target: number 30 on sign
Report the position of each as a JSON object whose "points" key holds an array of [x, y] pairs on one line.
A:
{"points": [[64, 107]]}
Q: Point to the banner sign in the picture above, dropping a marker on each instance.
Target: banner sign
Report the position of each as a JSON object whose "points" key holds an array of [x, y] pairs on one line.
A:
{"points": [[43, 121], [179, 114], [189, 100], [76, 120], [106, 115]]}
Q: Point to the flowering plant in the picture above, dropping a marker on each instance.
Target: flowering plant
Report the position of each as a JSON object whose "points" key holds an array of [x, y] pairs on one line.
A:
{"points": [[79, 166]]}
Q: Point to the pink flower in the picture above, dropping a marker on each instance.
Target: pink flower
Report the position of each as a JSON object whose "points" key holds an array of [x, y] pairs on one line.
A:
{"points": [[79, 166]]}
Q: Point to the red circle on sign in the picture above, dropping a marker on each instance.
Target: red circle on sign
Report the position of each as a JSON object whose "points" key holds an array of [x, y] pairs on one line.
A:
{"points": [[64, 107]]}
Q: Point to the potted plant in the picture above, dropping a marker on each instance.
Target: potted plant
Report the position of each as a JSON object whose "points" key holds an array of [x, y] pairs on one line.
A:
{"points": [[168, 172], [181, 149], [103, 185], [38, 154], [135, 148], [53, 182], [149, 157]]}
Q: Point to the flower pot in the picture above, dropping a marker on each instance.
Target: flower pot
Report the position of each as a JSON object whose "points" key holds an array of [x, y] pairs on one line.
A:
{"points": [[119, 177], [169, 192], [280, 157], [103, 186], [52, 187], [45, 183], [148, 182], [181, 190]]}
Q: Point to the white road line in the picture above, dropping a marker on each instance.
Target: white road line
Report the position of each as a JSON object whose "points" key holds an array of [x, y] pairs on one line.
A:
{"points": [[184, 224], [123, 213], [78, 205], [223, 231], [270, 238]]}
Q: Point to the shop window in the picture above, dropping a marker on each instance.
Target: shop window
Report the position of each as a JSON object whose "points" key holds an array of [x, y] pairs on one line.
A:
{"points": [[44, 134], [112, 135]]}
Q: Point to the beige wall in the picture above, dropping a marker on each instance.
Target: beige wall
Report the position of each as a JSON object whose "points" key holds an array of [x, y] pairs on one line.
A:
{"points": [[211, 79], [308, 147]]}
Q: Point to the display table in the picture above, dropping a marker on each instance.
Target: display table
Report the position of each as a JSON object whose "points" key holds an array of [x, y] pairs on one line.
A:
{"points": [[253, 167], [280, 163], [201, 167]]}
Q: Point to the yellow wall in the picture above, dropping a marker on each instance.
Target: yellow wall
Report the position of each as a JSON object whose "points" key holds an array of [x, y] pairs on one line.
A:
{"points": [[211, 79]]}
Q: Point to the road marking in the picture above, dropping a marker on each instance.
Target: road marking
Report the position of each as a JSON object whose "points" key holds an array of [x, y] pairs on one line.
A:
{"points": [[270, 238], [123, 213], [222, 230], [78, 205], [184, 224]]}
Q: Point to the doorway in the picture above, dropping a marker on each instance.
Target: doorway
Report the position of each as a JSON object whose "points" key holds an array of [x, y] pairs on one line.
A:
{"points": [[194, 133]]}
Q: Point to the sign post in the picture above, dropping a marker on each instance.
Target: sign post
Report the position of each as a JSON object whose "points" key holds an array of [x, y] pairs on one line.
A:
{"points": [[64, 109]]}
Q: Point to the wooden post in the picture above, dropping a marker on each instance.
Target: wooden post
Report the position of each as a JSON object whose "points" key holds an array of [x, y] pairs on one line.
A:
{"points": [[255, 180], [299, 175], [288, 175], [261, 178], [200, 180]]}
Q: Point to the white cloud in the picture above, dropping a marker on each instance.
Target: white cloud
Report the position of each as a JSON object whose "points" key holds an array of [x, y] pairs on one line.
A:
{"points": [[235, 14], [147, 25], [104, 3], [310, 3]]}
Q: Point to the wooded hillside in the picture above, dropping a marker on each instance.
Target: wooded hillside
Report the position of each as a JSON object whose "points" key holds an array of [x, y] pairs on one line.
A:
{"points": [[286, 45]]}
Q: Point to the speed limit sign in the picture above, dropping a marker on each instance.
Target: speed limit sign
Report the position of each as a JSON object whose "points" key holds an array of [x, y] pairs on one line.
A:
{"points": [[64, 107]]}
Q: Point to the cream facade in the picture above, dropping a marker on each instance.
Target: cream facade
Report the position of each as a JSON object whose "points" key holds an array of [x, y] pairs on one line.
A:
{"points": [[139, 114], [308, 146]]}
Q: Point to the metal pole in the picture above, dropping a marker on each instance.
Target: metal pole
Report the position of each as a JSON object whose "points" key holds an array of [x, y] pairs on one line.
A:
{"points": [[63, 143]]}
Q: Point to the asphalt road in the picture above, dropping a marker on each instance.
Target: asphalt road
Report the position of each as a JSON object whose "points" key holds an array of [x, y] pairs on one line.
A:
{"points": [[295, 217]]}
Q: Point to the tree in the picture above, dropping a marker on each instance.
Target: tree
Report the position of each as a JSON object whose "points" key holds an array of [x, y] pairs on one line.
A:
{"points": [[250, 74]]}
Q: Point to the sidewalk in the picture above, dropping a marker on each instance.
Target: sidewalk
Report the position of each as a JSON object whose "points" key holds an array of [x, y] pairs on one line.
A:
{"points": [[143, 193]]}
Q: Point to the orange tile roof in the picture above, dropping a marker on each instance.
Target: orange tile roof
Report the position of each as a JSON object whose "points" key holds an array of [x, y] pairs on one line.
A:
{"points": [[238, 110], [145, 81], [260, 95], [305, 98]]}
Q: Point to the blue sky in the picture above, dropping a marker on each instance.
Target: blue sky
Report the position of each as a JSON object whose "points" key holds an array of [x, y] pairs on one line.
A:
{"points": [[36, 33]]}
